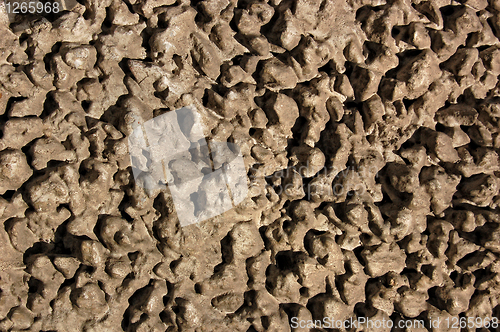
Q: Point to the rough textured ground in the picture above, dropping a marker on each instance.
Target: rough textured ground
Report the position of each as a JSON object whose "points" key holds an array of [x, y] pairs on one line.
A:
{"points": [[395, 105]]}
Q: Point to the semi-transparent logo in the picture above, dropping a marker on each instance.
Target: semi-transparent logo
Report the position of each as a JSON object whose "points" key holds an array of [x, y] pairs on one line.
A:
{"points": [[205, 179]]}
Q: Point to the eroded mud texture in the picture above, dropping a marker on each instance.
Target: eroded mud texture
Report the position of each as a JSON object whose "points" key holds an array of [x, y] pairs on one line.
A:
{"points": [[395, 105]]}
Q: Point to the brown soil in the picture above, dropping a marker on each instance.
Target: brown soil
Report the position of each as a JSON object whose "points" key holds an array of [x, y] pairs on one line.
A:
{"points": [[369, 130]]}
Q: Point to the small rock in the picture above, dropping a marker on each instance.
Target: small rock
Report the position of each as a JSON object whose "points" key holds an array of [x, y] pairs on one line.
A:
{"points": [[457, 115]]}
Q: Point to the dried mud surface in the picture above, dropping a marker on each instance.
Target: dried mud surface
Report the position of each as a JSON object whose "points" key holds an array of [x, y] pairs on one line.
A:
{"points": [[395, 104]]}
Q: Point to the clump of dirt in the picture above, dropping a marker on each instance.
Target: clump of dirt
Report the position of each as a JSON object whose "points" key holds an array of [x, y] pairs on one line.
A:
{"points": [[369, 130]]}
